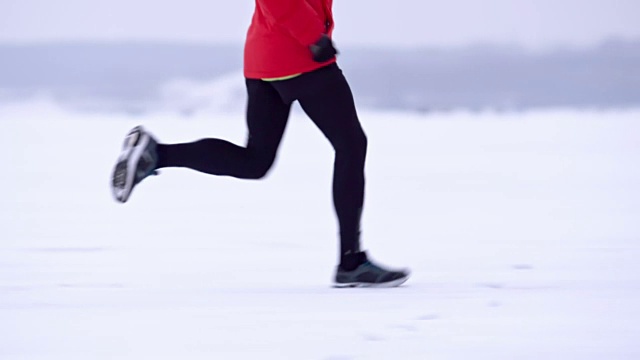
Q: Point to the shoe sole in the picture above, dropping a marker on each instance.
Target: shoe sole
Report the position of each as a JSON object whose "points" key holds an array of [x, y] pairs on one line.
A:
{"points": [[388, 284], [134, 145]]}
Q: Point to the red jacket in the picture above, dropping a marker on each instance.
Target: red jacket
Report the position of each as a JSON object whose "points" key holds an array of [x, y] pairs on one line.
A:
{"points": [[281, 31]]}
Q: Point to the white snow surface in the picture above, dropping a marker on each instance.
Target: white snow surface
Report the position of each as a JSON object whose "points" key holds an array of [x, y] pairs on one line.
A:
{"points": [[522, 231]]}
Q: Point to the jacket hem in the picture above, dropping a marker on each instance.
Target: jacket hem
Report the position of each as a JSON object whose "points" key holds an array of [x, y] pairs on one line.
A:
{"points": [[259, 75]]}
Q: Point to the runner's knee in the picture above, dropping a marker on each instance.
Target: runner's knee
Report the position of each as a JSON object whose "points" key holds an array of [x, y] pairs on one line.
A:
{"points": [[260, 167]]}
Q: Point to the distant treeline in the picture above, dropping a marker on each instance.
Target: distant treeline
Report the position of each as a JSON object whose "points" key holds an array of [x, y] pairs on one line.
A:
{"points": [[130, 74]]}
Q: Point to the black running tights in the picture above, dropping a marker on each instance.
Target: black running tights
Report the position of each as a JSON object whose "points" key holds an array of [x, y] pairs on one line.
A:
{"points": [[326, 98]]}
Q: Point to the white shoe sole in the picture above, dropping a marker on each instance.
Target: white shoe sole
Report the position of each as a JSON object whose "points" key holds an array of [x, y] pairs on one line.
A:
{"points": [[389, 284], [134, 145]]}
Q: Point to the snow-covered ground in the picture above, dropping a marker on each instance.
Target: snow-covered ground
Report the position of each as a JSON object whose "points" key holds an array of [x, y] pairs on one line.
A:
{"points": [[522, 231]]}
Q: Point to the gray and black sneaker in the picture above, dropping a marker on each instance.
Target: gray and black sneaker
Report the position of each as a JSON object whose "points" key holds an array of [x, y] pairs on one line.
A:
{"points": [[137, 160], [369, 274]]}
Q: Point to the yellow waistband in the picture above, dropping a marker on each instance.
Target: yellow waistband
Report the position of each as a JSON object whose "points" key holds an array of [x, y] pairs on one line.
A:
{"points": [[282, 78]]}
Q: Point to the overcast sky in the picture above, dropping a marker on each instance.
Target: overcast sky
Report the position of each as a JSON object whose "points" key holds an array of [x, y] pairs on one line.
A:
{"points": [[535, 24]]}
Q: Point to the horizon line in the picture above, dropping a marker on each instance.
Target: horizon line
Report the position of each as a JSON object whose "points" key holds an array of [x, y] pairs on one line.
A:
{"points": [[614, 40]]}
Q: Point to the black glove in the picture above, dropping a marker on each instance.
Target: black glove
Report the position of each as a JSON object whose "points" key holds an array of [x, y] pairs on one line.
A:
{"points": [[323, 50]]}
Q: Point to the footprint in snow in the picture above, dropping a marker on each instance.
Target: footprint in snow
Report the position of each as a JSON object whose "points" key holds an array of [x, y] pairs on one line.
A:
{"points": [[522, 267], [428, 317], [404, 327], [492, 285], [372, 337], [93, 286], [53, 250]]}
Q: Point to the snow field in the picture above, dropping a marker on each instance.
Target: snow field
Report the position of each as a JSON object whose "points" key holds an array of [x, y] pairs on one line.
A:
{"points": [[521, 230]]}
